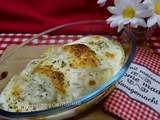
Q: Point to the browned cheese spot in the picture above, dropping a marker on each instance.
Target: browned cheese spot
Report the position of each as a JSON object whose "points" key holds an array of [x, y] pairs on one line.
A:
{"points": [[92, 82], [81, 56], [57, 77]]}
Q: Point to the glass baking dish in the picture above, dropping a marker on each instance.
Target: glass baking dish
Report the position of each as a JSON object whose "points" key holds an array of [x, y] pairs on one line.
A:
{"points": [[89, 27]]}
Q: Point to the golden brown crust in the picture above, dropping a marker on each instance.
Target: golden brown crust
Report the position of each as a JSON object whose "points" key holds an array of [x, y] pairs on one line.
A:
{"points": [[81, 56], [58, 80], [43, 70], [56, 76]]}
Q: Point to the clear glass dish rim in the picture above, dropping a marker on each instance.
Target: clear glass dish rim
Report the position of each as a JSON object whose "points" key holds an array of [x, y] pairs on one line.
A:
{"points": [[83, 99]]}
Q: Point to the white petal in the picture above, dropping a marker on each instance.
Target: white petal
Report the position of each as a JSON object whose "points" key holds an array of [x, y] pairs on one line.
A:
{"points": [[113, 24], [149, 4], [142, 22], [135, 22], [120, 27], [146, 3], [110, 19], [134, 3], [144, 13], [120, 4], [113, 18], [126, 22], [138, 1], [101, 2], [158, 20], [114, 10], [152, 21], [120, 21]]}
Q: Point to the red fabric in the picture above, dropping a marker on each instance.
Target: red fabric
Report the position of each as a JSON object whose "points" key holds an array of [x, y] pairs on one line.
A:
{"points": [[35, 16]]}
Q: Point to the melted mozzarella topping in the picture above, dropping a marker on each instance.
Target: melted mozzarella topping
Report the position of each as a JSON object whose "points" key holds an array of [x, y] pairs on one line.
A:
{"points": [[68, 73]]}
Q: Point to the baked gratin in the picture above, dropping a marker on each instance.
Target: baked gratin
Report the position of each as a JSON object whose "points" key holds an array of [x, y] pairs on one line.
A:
{"points": [[60, 76]]}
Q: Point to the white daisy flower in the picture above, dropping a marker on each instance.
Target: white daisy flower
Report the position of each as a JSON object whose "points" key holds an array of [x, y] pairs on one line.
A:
{"points": [[154, 6], [101, 2], [127, 12]]}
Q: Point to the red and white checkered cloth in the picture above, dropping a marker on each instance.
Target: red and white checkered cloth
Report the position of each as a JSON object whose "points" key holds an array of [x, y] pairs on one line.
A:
{"points": [[14, 39], [154, 43], [118, 103], [125, 107]]}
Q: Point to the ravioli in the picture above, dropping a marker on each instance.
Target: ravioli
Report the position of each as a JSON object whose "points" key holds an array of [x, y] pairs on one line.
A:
{"points": [[60, 76]]}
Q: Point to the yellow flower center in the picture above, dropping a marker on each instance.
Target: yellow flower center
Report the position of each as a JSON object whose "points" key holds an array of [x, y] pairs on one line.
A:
{"points": [[157, 7], [128, 12]]}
